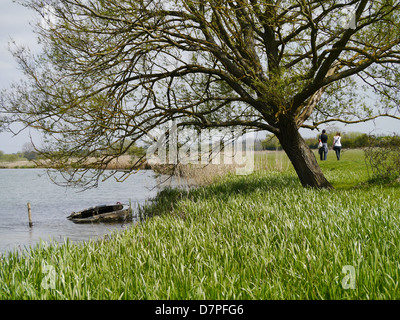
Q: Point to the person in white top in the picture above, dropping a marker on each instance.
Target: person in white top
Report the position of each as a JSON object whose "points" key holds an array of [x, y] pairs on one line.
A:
{"points": [[337, 145]]}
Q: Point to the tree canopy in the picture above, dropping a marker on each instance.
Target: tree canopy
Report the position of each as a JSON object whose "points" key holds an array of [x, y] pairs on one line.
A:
{"points": [[112, 71]]}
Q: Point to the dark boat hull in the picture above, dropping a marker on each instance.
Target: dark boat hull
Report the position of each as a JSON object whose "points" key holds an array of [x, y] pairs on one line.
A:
{"points": [[105, 213]]}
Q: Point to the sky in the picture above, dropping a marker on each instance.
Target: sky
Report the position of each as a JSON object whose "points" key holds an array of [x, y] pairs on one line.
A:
{"points": [[15, 25]]}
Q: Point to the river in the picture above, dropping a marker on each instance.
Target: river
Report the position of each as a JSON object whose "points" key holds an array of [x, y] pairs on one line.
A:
{"points": [[51, 204]]}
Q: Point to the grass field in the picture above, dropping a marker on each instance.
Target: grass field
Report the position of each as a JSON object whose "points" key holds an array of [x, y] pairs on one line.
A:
{"points": [[260, 236]]}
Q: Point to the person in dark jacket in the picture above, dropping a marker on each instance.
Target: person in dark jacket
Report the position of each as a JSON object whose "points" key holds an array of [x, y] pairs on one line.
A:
{"points": [[323, 151]]}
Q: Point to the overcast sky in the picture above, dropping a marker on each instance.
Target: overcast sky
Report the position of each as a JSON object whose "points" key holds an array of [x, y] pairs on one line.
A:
{"points": [[14, 25]]}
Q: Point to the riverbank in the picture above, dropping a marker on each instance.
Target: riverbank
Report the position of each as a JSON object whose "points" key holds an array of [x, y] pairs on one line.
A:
{"points": [[261, 236], [121, 163], [18, 165]]}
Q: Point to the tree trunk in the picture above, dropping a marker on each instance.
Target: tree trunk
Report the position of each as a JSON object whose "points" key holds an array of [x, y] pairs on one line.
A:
{"points": [[302, 158]]}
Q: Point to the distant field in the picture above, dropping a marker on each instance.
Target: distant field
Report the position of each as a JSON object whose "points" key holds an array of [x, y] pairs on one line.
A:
{"points": [[261, 236]]}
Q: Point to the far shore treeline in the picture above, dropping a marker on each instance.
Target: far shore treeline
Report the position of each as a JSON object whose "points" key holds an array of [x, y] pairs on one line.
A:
{"points": [[350, 140], [28, 153]]}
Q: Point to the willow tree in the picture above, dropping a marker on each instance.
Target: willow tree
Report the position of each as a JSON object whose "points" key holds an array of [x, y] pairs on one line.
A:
{"points": [[111, 71]]}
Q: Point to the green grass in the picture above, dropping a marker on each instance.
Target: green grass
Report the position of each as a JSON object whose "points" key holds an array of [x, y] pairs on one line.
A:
{"points": [[351, 170], [261, 236]]}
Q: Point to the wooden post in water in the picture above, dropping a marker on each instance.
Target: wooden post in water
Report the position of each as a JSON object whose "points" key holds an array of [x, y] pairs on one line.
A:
{"points": [[29, 214]]}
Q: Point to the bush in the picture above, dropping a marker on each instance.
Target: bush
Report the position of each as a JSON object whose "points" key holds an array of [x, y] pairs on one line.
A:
{"points": [[350, 140], [383, 157], [11, 157], [354, 140], [271, 142], [136, 151]]}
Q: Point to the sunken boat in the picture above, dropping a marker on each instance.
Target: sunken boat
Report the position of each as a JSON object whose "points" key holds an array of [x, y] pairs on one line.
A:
{"points": [[102, 213]]}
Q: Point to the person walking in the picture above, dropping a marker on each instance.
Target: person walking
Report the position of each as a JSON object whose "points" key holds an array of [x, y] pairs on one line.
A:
{"points": [[337, 145], [323, 151]]}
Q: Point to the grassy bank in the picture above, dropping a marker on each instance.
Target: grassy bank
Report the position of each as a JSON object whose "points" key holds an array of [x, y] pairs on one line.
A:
{"points": [[260, 236]]}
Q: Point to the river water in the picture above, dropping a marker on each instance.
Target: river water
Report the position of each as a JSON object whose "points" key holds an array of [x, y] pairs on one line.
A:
{"points": [[51, 204]]}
